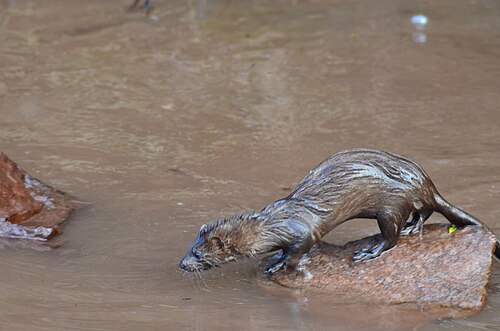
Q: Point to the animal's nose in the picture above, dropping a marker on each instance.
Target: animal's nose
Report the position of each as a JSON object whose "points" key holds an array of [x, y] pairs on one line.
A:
{"points": [[182, 264]]}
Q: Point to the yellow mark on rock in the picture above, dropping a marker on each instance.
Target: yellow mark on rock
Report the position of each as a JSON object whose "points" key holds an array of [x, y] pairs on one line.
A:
{"points": [[452, 229]]}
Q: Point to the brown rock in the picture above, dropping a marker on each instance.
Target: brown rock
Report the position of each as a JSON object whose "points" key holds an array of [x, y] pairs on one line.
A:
{"points": [[29, 209], [441, 270]]}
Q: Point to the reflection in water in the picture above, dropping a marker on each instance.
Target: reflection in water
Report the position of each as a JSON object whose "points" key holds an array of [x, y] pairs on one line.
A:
{"points": [[419, 22], [215, 109]]}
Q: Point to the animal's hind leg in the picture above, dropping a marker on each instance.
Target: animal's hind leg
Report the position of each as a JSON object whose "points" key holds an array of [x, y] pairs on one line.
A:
{"points": [[417, 223], [412, 226], [390, 227]]}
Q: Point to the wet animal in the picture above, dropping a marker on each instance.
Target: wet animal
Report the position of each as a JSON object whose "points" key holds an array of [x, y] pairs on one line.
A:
{"points": [[357, 183]]}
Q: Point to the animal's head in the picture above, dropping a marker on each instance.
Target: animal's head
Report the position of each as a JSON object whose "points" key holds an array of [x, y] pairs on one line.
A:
{"points": [[223, 241], [208, 250]]}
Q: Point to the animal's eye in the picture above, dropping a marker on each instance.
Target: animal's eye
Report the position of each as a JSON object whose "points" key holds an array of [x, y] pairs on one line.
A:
{"points": [[197, 255]]}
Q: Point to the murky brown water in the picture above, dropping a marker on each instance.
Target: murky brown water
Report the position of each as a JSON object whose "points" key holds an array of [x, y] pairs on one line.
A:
{"points": [[221, 106]]}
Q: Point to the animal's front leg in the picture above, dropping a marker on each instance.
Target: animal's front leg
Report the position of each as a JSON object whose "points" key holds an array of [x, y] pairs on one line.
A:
{"points": [[278, 265], [292, 255]]}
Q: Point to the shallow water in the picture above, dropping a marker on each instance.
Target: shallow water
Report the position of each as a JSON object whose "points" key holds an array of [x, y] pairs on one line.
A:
{"points": [[214, 107]]}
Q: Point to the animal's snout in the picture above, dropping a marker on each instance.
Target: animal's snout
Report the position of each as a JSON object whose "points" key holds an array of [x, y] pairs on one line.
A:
{"points": [[182, 264], [186, 265]]}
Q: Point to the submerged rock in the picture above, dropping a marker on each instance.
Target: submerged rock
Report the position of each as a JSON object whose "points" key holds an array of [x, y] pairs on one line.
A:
{"points": [[441, 270], [29, 209]]}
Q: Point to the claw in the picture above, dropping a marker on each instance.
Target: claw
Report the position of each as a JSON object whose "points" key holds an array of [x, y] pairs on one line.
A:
{"points": [[363, 256], [275, 267], [369, 253], [363, 250]]}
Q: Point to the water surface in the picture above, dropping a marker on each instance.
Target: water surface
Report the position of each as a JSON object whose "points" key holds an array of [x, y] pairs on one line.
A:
{"points": [[213, 107]]}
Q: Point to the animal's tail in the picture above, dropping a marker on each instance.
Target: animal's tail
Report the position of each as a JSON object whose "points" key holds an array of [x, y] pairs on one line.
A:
{"points": [[460, 218]]}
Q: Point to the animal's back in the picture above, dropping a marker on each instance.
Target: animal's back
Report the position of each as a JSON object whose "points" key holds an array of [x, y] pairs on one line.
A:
{"points": [[358, 182]]}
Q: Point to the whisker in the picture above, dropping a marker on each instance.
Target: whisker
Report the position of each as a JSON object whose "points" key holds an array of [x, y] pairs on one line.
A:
{"points": [[192, 280], [196, 278], [201, 277]]}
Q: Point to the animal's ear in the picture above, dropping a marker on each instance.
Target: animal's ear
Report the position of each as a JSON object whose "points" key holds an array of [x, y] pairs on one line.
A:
{"points": [[216, 243]]}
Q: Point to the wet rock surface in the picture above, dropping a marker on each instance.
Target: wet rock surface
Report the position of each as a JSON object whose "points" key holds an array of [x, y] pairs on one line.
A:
{"points": [[441, 270], [29, 209]]}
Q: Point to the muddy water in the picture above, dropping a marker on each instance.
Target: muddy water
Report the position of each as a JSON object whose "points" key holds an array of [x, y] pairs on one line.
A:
{"points": [[211, 107]]}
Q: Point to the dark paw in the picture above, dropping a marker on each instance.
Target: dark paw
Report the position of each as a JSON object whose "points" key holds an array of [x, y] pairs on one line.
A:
{"points": [[364, 256], [369, 253], [407, 230], [273, 268], [411, 229], [364, 250]]}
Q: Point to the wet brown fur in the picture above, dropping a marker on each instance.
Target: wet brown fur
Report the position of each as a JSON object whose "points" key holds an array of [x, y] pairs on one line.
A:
{"points": [[356, 183]]}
